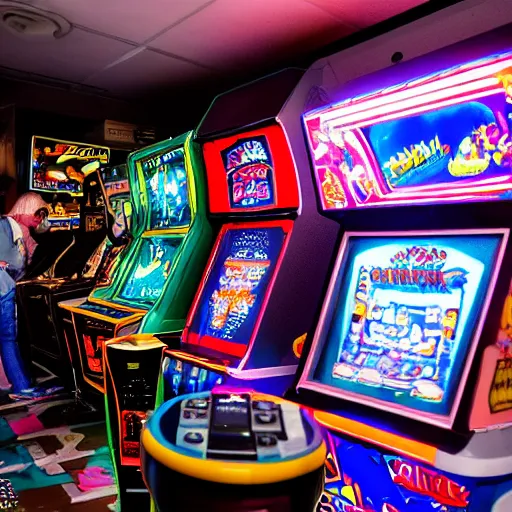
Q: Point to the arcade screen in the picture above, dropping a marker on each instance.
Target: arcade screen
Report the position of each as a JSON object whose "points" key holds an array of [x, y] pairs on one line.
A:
{"points": [[151, 269], [250, 173], [166, 182], [59, 166], [236, 285], [403, 314]]}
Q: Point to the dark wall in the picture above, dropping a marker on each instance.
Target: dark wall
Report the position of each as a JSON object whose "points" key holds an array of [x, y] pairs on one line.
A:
{"points": [[66, 101]]}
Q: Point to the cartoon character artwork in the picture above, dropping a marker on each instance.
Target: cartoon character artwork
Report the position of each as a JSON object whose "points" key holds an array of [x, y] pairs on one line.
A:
{"points": [[486, 145], [250, 173], [340, 159], [363, 479], [400, 336], [236, 293]]}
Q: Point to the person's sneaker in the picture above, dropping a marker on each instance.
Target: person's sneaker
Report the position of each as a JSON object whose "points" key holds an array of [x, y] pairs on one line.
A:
{"points": [[35, 393]]}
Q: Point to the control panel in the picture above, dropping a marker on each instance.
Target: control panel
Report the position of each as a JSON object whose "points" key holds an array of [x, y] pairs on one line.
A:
{"points": [[241, 426]]}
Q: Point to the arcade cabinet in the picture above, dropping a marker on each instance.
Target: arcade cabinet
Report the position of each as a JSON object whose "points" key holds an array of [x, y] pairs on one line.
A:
{"points": [[267, 268], [408, 367], [131, 363], [155, 281], [71, 276]]}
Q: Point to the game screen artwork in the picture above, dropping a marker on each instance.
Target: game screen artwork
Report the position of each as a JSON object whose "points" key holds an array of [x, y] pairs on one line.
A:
{"points": [[361, 478], [406, 313], [446, 147], [250, 174], [150, 271], [59, 166], [166, 182], [237, 283]]}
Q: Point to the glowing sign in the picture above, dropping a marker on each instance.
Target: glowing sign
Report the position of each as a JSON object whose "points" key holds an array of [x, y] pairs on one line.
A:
{"points": [[249, 168], [59, 166], [421, 142]]}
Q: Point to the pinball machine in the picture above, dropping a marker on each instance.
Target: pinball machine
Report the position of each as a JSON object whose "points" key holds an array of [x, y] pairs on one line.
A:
{"points": [[409, 365]]}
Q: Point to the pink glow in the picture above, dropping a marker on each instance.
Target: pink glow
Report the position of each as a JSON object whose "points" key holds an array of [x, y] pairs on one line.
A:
{"points": [[435, 103], [413, 90], [359, 181]]}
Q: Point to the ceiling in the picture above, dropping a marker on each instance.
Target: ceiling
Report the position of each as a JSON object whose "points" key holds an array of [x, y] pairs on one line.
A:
{"points": [[131, 48]]}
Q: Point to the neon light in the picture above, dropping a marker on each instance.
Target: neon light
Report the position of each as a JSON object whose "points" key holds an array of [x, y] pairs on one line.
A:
{"points": [[364, 153], [413, 89], [425, 108], [455, 93]]}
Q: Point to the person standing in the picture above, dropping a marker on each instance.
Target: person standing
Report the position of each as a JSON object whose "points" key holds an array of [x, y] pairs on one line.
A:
{"points": [[17, 246]]}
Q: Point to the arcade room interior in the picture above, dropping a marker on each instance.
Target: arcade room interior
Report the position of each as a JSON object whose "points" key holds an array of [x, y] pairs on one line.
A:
{"points": [[256, 256]]}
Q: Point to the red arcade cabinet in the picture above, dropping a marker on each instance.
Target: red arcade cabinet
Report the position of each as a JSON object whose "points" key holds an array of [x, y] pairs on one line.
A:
{"points": [[267, 268]]}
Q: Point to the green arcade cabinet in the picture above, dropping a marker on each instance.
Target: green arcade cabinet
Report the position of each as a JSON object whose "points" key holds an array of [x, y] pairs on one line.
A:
{"points": [[156, 277], [160, 274]]}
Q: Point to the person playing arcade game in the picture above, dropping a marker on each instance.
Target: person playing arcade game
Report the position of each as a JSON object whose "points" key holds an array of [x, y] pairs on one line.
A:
{"points": [[29, 213]]}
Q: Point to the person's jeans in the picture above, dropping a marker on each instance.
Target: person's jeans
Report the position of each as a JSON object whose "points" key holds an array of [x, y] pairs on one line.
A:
{"points": [[9, 350]]}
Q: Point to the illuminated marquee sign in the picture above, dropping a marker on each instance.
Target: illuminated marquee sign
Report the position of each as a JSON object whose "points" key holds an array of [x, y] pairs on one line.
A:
{"points": [[249, 168], [60, 166], [83, 152], [444, 137]]}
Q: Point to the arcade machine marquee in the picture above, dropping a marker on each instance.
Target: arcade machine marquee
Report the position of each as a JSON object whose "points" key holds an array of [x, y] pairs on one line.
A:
{"points": [[60, 167], [404, 366]]}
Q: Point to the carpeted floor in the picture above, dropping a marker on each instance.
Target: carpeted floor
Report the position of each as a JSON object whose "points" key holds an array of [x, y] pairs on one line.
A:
{"points": [[55, 467]]}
